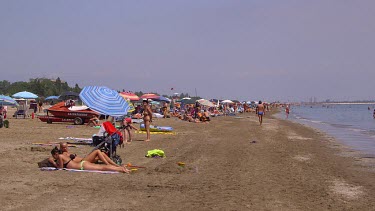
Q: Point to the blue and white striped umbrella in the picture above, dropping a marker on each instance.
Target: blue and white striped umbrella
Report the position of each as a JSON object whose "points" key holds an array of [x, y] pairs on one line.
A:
{"points": [[25, 95], [6, 100], [104, 100]]}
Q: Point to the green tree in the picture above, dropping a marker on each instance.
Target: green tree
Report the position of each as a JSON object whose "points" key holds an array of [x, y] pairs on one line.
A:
{"points": [[4, 85], [77, 89]]}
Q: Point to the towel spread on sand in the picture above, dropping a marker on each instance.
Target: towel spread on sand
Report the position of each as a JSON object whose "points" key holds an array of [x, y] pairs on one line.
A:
{"points": [[51, 144], [76, 170], [164, 133], [75, 139]]}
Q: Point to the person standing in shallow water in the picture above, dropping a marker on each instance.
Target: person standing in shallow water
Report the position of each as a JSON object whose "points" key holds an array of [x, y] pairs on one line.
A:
{"points": [[287, 111], [260, 112]]}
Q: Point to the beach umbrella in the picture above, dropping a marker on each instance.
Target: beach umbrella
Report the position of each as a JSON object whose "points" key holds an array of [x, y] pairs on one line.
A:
{"points": [[6, 100], [236, 101], [131, 106], [129, 95], [155, 103], [25, 95], [186, 98], [52, 98], [104, 101], [205, 102], [227, 101], [68, 94], [150, 96], [165, 99]]}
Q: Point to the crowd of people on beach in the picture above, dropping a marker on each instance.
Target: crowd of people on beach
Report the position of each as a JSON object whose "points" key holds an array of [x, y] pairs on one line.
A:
{"points": [[196, 113]]}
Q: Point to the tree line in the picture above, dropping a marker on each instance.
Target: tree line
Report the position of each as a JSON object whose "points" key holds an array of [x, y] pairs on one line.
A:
{"points": [[43, 87]]}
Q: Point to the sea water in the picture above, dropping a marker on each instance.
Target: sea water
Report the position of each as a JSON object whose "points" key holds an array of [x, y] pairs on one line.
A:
{"points": [[351, 124]]}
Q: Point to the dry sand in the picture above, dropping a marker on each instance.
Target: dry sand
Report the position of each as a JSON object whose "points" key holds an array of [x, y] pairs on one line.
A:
{"points": [[231, 164]]}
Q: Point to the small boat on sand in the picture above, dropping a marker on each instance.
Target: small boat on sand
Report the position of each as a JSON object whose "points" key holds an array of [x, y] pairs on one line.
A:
{"points": [[66, 112]]}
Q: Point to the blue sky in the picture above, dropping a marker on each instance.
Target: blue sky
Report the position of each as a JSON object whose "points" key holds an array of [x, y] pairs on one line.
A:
{"points": [[269, 50]]}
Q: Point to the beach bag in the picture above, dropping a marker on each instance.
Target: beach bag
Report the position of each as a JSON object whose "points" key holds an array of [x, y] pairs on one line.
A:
{"points": [[155, 153]]}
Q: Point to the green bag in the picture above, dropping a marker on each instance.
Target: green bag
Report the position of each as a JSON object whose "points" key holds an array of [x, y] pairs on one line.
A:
{"points": [[155, 153]]}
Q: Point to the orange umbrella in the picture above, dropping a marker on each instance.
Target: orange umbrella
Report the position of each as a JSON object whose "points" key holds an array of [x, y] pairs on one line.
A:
{"points": [[150, 96], [129, 95]]}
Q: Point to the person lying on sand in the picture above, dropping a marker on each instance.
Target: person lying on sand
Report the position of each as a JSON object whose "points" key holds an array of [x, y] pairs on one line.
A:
{"points": [[93, 157], [94, 120], [64, 161], [189, 118], [205, 117]]}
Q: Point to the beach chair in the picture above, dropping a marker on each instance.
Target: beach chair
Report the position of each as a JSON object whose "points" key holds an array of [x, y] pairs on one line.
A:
{"points": [[20, 113], [109, 141]]}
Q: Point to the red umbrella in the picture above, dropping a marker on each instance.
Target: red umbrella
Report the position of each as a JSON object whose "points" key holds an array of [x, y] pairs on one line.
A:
{"points": [[150, 96], [129, 95]]}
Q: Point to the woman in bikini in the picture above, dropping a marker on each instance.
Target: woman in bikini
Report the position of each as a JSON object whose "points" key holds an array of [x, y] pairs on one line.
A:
{"points": [[64, 161], [93, 157], [94, 120], [147, 118]]}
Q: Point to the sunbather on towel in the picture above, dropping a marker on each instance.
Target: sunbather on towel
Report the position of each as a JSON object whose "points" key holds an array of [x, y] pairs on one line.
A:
{"points": [[93, 157], [64, 161]]}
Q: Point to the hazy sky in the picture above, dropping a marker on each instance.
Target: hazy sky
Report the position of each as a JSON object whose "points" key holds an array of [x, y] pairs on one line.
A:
{"points": [[269, 50]]}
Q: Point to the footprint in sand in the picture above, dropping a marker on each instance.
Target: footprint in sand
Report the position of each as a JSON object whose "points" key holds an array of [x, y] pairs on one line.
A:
{"points": [[346, 190], [302, 158]]}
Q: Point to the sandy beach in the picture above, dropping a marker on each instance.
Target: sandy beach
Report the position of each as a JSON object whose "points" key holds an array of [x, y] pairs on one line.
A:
{"points": [[230, 164]]}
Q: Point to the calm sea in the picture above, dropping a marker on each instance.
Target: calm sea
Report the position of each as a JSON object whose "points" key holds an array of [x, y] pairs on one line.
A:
{"points": [[351, 124]]}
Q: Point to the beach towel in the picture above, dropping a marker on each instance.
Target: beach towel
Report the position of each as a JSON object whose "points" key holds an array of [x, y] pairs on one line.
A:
{"points": [[156, 128], [75, 139], [76, 170], [162, 133], [54, 144]]}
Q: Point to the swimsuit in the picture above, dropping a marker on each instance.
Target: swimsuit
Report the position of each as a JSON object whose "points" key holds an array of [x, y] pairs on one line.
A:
{"points": [[65, 165], [260, 113], [82, 164]]}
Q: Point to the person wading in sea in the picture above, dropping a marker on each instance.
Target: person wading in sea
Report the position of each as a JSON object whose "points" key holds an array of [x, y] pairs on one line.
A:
{"points": [[287, 111]]}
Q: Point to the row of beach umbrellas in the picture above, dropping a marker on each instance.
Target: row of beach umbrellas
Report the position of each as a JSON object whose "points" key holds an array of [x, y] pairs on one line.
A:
{"points": [[9, 101], [105, 100], [98, 98]]}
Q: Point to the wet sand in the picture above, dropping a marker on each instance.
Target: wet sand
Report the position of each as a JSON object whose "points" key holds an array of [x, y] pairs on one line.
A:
{"points": [[230, 164]]}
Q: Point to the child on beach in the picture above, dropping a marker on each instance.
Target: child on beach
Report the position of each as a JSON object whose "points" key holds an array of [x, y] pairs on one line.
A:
{"points": [[128, 127]]}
